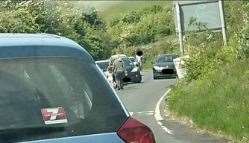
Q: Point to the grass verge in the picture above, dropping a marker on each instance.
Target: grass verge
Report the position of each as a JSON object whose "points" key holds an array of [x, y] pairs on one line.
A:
{"points": [[219, 102]]}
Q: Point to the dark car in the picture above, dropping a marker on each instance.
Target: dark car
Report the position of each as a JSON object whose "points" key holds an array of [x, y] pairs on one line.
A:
{"points": [[164, 66], [51, 91], [132, 72]]}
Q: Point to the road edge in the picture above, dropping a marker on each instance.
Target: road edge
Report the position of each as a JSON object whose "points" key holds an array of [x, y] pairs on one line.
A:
{"points": [[186, 121], [157, 113]]}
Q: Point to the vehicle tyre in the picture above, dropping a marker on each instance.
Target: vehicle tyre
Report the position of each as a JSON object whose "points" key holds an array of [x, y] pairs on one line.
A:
{"points": [[155, 77], [138, 79]]}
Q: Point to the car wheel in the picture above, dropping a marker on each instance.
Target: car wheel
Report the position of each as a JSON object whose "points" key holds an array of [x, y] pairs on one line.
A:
{"points": [[138, 79], [155, 77]]}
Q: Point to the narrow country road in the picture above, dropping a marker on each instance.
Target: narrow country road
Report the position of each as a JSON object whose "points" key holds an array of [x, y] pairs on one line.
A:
{"points": [[141, 100]]}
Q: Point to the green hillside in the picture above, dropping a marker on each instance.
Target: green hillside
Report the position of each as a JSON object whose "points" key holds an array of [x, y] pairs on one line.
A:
{"points": [[110, 9]]}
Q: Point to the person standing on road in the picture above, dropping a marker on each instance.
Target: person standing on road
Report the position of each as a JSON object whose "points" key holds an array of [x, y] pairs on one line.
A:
{"points": [[119, 72], [139, 61]]}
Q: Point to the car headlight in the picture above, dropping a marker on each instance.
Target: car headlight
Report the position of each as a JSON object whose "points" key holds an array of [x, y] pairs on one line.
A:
{"points": [[157, 68], [134, 69]]}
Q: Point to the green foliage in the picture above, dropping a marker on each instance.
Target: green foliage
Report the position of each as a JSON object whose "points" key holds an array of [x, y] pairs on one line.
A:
{"points": [[60, 18], [244, 45], [206, 50], [142, 26], [118, 8], [203, 49]]}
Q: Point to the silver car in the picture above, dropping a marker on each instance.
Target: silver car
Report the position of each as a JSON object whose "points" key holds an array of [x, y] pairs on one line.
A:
{"points": [[51, 91]]}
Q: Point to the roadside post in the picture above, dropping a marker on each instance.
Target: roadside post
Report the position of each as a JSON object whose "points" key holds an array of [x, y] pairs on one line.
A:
{"points": [[180, 67]]}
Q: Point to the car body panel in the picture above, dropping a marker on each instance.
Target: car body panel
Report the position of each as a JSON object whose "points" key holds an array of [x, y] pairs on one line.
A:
{"points": [[132, 72], [95, 138], [26, 46]]}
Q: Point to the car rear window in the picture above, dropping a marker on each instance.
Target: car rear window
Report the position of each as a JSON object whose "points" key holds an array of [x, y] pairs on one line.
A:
{"points": [[133, 59], [127, 62], [42, 98]]}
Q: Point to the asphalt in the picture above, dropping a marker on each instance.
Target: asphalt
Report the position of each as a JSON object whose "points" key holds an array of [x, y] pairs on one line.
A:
{"points": [[141, 100]]}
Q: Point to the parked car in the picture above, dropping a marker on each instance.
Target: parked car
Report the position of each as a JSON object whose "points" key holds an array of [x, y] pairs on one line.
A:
{"points": [[51, 91], [103, 65], [133, 73], [164, 66], [133, 59]]}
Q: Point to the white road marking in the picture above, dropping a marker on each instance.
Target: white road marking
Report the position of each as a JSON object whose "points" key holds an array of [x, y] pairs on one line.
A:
{"points": [[142, 112], [158, 116]]}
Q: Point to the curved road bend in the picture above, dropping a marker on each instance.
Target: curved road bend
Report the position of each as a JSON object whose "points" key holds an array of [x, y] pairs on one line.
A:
{"points": [[141, 100]]}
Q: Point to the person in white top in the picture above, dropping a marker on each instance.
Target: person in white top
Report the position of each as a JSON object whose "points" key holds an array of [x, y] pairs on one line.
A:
{"points": [[139, 61]]}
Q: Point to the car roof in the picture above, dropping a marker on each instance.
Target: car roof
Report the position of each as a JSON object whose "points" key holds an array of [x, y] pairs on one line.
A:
{"points": [[102, 61], [118, 56], [18, 45]]}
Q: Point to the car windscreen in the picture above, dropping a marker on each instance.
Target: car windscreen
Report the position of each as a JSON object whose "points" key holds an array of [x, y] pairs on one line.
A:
{"points": [[164, 59], [132, 59], [103, 65], [127, 62], [42, 98]]}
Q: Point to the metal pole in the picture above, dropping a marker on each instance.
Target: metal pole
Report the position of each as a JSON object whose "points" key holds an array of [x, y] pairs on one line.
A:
{"points": [[179, 27], [223, 25]]}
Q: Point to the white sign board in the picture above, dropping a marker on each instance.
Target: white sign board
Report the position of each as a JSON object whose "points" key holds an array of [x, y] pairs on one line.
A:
{"points": [[207, 14], [198, 16]]}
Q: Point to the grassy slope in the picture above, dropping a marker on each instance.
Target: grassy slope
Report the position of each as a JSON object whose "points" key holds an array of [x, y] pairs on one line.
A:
{"points": [[110, 9], [219, 102], [125, 6]]}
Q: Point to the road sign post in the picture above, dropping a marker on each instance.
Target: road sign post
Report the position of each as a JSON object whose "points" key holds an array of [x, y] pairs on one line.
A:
{"points": [[223, 24], [179, 27]]}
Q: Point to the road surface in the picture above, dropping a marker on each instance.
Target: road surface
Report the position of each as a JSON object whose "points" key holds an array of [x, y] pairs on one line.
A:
{"points": [[142, 99]]}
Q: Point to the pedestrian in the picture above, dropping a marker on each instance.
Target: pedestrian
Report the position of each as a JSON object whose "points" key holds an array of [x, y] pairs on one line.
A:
{"points": [[139, 60], [119, 72]]}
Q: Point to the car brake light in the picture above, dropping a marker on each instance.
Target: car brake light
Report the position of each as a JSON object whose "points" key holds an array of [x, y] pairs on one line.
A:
{"points": [[132, 131]]}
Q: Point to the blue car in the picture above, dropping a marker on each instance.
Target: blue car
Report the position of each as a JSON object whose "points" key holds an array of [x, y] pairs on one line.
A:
{"points": [[51, 91]]}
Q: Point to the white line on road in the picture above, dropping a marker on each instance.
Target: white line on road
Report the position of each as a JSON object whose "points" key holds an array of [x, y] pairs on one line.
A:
{"points": [[142, 112], [158, 116]]}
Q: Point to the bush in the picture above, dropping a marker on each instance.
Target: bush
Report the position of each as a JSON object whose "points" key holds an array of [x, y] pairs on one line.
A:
{"points": [[203, 49], [60, 18], [142, 26]]}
